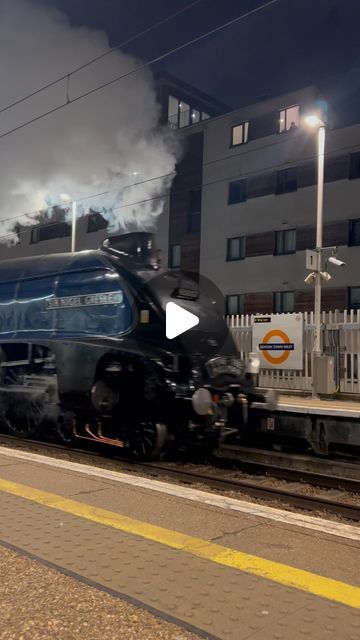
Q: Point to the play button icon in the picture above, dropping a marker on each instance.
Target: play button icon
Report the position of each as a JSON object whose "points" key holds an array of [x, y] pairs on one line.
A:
{"points": [[178, 320]]}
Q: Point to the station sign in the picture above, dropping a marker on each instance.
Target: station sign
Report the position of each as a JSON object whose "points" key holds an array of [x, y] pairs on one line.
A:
{"points": [[278, 340]]}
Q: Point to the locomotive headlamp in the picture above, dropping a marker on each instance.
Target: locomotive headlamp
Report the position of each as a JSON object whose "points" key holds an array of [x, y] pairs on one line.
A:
{"points": [[202, 401], [253, 363]]}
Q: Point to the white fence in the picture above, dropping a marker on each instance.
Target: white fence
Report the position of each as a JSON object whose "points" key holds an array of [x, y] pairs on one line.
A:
{"points": [[340, 338]]}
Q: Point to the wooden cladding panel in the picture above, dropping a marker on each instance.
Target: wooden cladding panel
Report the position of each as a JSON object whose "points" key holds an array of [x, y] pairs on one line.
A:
{"points": [[336, 168], [259, 244], [305, 238], [190, 253], [335, 233], [333, 298], [258, 302], [304, 300], [261, 185], [307, 174], [188, 177]]}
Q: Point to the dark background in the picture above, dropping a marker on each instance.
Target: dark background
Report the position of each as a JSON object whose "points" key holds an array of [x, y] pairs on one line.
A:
{"points": [[284, 47]]}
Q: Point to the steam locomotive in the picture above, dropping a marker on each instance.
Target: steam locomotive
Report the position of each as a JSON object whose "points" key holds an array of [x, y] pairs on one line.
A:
{"points": [[83, 349]]}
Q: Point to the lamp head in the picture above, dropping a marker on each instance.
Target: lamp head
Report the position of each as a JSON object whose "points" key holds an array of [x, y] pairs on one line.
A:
{"points": [[313, 120]]}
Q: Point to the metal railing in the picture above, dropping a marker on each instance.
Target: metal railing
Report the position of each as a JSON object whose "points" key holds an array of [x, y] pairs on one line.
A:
{"points": [[340, 336]]}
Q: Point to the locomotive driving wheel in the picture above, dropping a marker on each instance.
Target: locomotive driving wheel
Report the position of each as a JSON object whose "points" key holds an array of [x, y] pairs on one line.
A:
{"points": [[147, 439], [24, 419]]}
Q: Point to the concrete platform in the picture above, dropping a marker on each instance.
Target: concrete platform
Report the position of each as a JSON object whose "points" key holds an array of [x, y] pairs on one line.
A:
{"points": [[216, 567], [317, 406]]}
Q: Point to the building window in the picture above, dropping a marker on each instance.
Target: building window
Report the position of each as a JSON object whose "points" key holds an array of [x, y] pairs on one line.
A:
{"points": [[284, 302], [285, 241], [239, 134], [354, 232], [286, 180], [205, 116], [289, 119], [354, 165], [194, 217], [235, 248], [195, 116], [184, 115], [175, 256], [237, 191], [173, 112], [49, 231], [235, 304], [96, 222]]}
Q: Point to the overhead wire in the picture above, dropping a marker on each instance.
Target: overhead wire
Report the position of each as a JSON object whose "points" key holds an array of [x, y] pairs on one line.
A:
{"points": [[139, 67], [168, 193], [68, 75]]}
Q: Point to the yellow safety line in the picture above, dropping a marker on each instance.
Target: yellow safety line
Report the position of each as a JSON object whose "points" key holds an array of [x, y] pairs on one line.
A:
{"points": [[275, 571]]}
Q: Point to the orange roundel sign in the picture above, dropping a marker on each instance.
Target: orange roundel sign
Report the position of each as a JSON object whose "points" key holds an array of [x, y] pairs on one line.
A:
{"points": [[285, 347]]}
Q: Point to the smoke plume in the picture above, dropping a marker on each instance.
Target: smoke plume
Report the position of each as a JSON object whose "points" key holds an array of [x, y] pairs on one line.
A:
{"points": [[105, 142]]}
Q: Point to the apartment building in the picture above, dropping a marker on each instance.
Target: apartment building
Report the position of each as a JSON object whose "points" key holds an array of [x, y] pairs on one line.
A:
{"points": [[242, 209]]}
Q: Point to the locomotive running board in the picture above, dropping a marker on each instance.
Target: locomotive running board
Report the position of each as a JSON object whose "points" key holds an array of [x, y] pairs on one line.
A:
{"points": [[97, 438]]}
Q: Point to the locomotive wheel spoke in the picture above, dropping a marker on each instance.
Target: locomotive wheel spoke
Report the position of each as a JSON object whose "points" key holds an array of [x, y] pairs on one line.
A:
{"points": [[24, 420], [147, 439]]}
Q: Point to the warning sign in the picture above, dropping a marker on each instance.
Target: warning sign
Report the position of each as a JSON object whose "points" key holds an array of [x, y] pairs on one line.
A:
{"points": [[278, 340]]}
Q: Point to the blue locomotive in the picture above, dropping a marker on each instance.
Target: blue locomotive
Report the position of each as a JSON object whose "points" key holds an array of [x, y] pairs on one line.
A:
{"points": [[83, 347]]}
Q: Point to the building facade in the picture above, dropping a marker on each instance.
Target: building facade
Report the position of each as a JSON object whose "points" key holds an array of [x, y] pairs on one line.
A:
{"points": [[242, 207], [248, 219]]}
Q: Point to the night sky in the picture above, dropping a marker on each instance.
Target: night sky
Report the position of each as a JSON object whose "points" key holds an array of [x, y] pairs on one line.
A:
{"points": [[284, 47]]}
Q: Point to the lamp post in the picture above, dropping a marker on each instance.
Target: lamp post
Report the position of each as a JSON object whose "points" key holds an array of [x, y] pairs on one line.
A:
{"points": [[73, 227], [315, 122]]}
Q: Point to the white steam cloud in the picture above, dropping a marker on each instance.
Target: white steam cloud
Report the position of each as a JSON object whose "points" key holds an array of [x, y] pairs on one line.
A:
{"points": [[105, 142]]}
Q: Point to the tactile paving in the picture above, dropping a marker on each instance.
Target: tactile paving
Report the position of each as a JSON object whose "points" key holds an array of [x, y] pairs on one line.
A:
{"points": [[223, 602]]}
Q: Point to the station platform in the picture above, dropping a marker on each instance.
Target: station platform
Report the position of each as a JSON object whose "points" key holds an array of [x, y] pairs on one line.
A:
{"points": [[317, 406], [197, 564]]}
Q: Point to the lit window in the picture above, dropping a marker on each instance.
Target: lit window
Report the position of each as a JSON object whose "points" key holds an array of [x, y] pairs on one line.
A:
{"points": [[354, 165], [175, 256], [195, 116], [237, 191], [285, 241], [354, 232], [184, 115], [173, 112], [284, 302], [286, 180], [354, 298], [235, 248], [235, 304], [205, 116], [239, 134], [289, 119]]}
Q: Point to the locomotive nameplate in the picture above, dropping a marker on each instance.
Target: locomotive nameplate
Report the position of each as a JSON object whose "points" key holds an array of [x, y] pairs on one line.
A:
{"points": [[86, 300]]}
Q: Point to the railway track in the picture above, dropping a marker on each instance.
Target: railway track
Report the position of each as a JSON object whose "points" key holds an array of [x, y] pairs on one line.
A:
{"points": [[311, 491]]}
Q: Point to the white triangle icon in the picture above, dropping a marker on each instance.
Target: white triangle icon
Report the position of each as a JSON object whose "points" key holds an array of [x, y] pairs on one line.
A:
{"points": [[178, 320]]}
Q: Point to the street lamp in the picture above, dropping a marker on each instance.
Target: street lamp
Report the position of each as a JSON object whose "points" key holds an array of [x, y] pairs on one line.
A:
{"points": [[315, 122]]}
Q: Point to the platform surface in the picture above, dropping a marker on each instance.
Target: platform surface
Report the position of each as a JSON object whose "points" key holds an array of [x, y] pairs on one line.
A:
{"points": [[319, 406], [203, 564]]}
